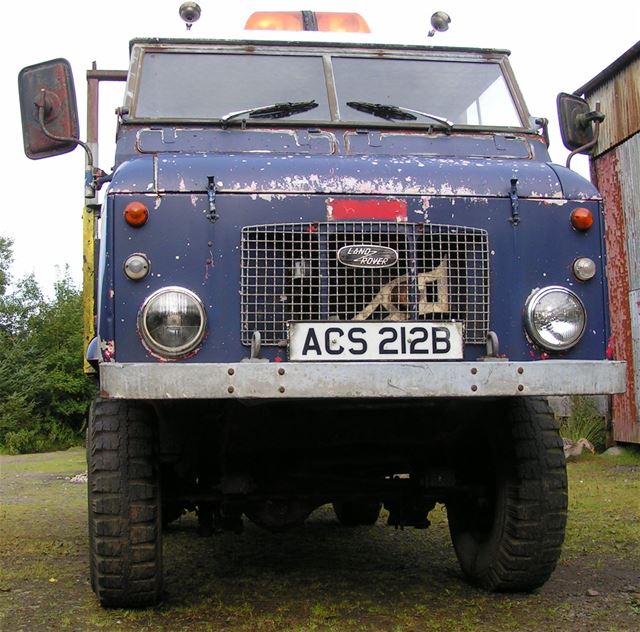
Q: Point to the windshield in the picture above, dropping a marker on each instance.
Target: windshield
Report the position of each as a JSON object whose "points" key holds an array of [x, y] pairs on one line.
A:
{"points": [[205, 86], [209, 86], [466, 93]]}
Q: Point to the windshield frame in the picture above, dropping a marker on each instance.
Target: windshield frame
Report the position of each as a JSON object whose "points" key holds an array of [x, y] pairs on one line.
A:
{"points": [[326, 51]]}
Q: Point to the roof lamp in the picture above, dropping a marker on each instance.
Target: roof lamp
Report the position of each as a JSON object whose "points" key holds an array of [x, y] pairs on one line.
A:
{"points": [[342, 23], [439, 22], [307, 21], [190, 13]]}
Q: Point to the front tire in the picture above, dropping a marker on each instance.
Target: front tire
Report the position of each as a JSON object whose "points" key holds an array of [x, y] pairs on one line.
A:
{"points": [[508, 537], [125, 531]]}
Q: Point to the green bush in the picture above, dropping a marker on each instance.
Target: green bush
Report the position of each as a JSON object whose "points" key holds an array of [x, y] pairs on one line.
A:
{"points": [[585, 422], [44, 394], [61, 437], [24, 441], [47, 438]]}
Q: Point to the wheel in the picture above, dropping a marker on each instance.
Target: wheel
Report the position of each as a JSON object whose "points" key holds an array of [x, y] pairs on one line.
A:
{"points": [[125, 534], [508, 533], [357, 513]]}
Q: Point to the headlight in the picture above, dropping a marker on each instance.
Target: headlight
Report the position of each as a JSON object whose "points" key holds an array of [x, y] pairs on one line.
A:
{"points": [[555, 318], [172, 322]]}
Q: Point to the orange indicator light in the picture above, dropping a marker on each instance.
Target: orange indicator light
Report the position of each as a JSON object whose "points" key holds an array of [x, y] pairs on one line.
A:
{"points": [[582, 218], [136, 214]]}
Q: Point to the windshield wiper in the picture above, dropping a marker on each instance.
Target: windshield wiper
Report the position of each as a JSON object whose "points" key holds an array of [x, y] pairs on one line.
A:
{"points": [[276, 110], [395, 112]]}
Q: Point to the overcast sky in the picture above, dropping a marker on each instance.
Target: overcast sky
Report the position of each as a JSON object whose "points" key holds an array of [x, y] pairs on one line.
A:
{"points": [[556, 46]]}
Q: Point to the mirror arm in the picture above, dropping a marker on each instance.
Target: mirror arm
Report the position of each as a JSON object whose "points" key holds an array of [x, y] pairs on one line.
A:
{"points": [[597, 117], [584, 120], [91, 173]]}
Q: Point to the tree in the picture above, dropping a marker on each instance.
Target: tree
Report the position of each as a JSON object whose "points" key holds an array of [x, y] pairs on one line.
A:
{"points": [[6, 257], [43, 390]]}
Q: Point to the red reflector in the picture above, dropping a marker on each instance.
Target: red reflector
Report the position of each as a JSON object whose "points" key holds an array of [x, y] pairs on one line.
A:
{"points": [[582, 218], [390, 210]]}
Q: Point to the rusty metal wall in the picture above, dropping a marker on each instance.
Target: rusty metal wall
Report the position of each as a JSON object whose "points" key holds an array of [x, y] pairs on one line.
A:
{"points": [[629, 164], [617, 174], [615, 169], [619, 98]]}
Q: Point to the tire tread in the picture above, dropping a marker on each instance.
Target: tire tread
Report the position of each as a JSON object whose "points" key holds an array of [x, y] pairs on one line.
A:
{"points": [[124, 528]]}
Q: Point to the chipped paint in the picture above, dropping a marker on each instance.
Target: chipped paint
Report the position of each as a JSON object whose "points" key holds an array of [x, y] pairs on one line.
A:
{"points": [[108, 350], [208, 265], [155, 173], [374, 175]]}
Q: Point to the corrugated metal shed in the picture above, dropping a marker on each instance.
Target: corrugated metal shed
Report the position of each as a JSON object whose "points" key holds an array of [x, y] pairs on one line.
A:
{"points": [[616, 171], [617, 88]]}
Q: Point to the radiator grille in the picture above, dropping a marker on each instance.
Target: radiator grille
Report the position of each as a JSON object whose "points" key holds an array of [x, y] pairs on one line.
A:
{"points": [[290, 272]]}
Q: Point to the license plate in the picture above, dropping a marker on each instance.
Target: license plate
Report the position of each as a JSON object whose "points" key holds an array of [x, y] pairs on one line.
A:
{"points": [[355, 340]]}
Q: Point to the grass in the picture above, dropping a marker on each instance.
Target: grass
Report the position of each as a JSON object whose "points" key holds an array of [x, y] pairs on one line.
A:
{"points": [[604, 506], [320, 578], [585, 422], [71, 461]]}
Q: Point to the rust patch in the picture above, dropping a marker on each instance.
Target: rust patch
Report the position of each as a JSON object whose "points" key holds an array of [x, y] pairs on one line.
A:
{"points": [[608, 181], [108, 349]]}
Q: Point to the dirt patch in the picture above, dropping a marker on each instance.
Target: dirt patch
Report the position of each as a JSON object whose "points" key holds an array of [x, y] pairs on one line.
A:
{"points": [[320, 577]]}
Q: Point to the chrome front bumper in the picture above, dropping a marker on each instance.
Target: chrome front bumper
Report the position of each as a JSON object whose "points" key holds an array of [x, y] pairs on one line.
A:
{"points": [[299, 380]]}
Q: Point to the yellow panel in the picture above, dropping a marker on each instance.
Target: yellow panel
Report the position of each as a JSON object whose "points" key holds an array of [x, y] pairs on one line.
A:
{"points": [[88, 284]]}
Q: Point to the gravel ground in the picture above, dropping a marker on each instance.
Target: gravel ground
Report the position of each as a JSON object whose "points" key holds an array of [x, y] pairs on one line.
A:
{"points": [[320, 577]]}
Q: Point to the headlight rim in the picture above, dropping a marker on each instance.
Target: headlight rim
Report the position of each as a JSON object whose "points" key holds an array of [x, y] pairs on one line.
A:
{"points": [[530, 304], [171, 353]]}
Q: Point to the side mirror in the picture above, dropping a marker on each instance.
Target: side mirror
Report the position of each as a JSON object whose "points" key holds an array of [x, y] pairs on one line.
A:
{"points": [[576, 122], [49, 110]]}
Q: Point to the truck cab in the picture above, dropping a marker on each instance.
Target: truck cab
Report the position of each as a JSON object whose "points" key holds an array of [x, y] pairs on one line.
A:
{"points": [[334, 273]]}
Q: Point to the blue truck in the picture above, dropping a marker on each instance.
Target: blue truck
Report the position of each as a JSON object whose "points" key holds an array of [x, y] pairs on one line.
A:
{"points": [[329, 273]]}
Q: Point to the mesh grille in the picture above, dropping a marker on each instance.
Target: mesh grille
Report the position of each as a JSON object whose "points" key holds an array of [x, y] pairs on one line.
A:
{"points": [[290, 272]]}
